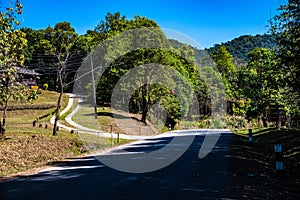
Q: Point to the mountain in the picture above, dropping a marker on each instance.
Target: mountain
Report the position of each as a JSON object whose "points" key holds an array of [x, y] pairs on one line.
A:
{"points": [[238, 47]]}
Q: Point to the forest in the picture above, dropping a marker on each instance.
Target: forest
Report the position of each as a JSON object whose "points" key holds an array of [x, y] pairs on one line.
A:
{"points": [[260, 74]]}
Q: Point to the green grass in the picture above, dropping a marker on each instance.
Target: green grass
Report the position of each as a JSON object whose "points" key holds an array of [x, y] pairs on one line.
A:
{"points": [[255, 131], [27, 116], [95, 143], [85, 117]]}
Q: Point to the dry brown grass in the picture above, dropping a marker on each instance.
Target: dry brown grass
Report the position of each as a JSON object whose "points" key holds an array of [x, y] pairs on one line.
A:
{"points": [[25, 147], [30, 149]]}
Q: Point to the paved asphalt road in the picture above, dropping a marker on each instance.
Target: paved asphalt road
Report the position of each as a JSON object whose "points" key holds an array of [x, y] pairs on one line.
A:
{"points": [[188, 177]]}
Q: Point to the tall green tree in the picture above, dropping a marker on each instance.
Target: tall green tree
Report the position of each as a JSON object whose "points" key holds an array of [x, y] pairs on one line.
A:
{"points": [[12, 42], [259, 84], [285, 28], [224, 63]]}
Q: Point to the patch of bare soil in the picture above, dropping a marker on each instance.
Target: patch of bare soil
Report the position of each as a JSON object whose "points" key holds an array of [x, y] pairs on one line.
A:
{"points": [[253, 167]]}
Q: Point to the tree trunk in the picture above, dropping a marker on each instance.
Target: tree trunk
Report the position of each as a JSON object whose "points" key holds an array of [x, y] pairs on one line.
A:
{"points": [[58, 104], [278, 121], [144, 104], [3, 128], [1, 134], [265, 122]]}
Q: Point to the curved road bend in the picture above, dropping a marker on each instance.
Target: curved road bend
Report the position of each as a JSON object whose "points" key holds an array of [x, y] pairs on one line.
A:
{"points": [[189, 177]]}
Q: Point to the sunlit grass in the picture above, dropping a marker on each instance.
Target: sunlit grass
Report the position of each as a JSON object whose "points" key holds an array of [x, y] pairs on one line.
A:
{"points": [[94, 143]]}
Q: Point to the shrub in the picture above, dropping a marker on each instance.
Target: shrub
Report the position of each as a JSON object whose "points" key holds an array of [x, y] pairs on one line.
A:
{"points": [[45, 86]]}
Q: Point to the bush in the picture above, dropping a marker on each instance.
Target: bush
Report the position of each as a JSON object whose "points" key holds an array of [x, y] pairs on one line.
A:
{"points": [[45, 86], [217, 122], [232, 120]]}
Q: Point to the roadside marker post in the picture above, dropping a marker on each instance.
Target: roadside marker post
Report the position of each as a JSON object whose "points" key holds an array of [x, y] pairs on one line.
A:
{"points": [[112, 139], [278, 158], [112, 136], [250, 134]]}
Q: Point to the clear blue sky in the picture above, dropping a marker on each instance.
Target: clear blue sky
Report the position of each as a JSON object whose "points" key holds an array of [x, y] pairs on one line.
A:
{"points": [[206, 21]]}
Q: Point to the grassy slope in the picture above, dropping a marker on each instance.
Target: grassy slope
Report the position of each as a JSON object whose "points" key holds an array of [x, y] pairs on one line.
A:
{"points": [[25, 147], [107, 122]]}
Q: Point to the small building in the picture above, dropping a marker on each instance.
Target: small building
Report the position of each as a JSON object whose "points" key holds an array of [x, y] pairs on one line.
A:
{"points": [[27, 77]]}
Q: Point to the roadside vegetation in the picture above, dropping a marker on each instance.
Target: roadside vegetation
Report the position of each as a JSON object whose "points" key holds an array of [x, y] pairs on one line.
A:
{"points": [[256, 172]]}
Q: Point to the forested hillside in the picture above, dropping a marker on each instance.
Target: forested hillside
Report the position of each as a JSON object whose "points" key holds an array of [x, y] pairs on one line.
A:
{"points": [[239, 47]]}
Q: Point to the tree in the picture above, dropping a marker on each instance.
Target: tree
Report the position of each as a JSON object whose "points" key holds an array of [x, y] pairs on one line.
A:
{"points": [[224, 61], [11, 56], [285, 28], [259, 84], [225, 65], [59, 42], [151, 93]]}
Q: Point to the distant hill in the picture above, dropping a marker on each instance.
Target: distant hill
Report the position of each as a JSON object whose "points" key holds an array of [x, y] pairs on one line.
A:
{"points": [[238, 47]]}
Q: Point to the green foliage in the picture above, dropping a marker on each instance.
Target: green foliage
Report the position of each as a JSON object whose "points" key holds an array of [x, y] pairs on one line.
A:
{"points": [[257, 84], [12, 40], [217, 122], [285, 28], [32, 95], [224, 61], [233, 120], [45, 86], [56, 50], [239, 47], [177, 61], [12, 44]]}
